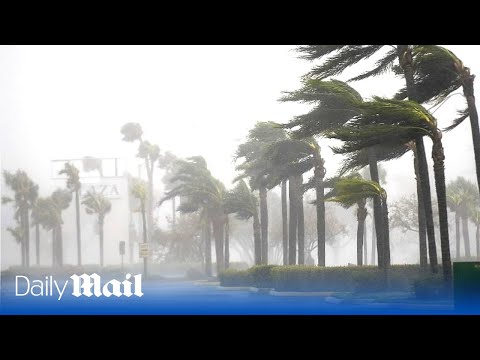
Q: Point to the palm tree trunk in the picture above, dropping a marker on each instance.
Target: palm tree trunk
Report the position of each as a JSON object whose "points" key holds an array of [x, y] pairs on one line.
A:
{"points": [[208, 248], [361, 216], [100, 231], [365, 247], [284, 222], [374, 243], [319, 174], [422, 226], [264, 222], [425, 183], [377, 208], [27, 238], [218, 234], [473, 114], [257, 239], [149, 168], [466, 236], [59, 236], [79, 238], [22, 240], [145, 238], [457, 235], [405, 60], [37, 244], [292, 229], [54, 248], [227, 243], [439, 170], [301, 223], [386, 246]]}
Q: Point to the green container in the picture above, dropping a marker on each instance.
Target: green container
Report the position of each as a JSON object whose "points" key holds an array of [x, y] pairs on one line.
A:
{"points": [[466, 284]]}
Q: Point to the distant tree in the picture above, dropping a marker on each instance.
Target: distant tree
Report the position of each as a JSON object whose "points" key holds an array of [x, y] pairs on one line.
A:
{"points": [[96, 203], [74, 185], [61, 199], [139, 192]]}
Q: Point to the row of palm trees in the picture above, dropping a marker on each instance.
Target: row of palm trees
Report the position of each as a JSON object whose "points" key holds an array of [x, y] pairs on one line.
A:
{"points": [[46, 212]]}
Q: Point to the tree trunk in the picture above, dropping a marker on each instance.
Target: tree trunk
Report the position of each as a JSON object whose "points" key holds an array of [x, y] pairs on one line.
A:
{"points": [[145, 238], [365, 247], [466, 236], [208, 248], [59, 236], [477, 238], [37, 244], [54, 248], [473, 114], [319, 174], [264, 222], [301, 222], [405, 61], [257, 239], [284, 222], [361, 216], [457, 235], [79, 238], [27, 238], [292, 228], [174, 213], [218, 234], [227, 243], [422, 227], [374, 243], [377, 207], [149, 168], [22, 240], [100, 231], [439, 170], [425, 183], [386, 246]]}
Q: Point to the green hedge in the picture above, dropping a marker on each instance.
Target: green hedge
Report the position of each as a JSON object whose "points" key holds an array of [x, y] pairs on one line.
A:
{"points": [[313, 278]]}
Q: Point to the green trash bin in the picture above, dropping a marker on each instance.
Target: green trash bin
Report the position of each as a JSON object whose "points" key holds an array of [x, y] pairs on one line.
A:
{"points": [[466, 284]]}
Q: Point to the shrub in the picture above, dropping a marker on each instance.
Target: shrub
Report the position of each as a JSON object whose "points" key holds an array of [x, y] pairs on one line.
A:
{"points": [[261, 276], [233, 277]]}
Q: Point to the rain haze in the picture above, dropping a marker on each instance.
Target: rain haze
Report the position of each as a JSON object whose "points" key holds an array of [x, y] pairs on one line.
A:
{"points": [[68, 102]]}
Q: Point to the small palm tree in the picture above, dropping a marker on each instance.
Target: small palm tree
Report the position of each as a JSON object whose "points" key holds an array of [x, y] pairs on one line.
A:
{"points": [[98, 204], [241, 202], [354, 190], [74, 185]]}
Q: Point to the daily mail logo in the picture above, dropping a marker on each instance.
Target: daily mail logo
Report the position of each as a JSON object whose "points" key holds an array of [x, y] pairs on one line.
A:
{"points": [[82, 285]]}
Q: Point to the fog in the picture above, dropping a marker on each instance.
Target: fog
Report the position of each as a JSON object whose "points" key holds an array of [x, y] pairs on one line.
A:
{"points": [[68, 102]]}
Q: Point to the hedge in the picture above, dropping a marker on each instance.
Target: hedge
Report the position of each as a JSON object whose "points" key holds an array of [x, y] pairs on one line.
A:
{"points": [[341, 278]]}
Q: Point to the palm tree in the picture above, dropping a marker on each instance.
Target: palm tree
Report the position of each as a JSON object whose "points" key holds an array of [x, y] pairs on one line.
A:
{"points": [[74, 185], [96, 203], [61, 199], [343, 56], [475, 216], [139, 191], [168, 162], [150, 153], [255, 166], [335, 104], [25, 196], [461, 197], [354, 190], [394, 121], [36, 222], [244, 204], [437, 73], [17, 233], [201, 192]]}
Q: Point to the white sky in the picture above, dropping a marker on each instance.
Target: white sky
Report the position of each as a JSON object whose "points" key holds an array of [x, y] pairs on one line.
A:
{"points": [[70, 102]]}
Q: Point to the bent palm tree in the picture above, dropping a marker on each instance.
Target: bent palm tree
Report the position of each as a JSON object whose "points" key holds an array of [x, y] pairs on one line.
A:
{"points": [[394, 121], [74, 185], [98, 204]]}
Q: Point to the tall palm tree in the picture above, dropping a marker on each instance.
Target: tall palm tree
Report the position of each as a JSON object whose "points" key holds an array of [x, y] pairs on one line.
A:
{"points": [[98, 204], [244, 204], [60, 199], [354, 190], [74, 185], [150, 153], [45, 214], [255, 166], [168, 162], [36, 222], [139, 191], [475, 216], [25, 195], [394, 121], [339, 58], [201, 193], [437, 73], [17, 233]]}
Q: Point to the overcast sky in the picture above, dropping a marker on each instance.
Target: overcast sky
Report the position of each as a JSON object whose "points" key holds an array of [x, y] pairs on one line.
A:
{"points": [[70, 102]]}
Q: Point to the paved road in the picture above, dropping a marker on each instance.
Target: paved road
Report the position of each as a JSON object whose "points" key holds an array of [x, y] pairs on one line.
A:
{"points": [[188, 297]]}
